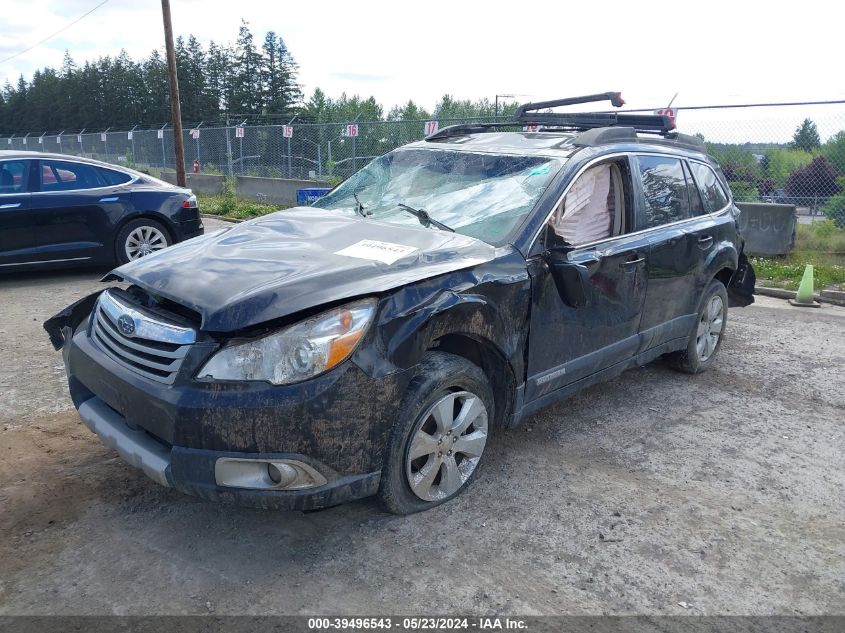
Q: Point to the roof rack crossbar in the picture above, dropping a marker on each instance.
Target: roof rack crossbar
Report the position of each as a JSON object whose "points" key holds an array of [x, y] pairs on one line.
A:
{"points": [[615, 99]]}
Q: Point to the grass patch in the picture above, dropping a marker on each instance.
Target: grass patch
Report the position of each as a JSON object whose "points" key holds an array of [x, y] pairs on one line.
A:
{"points": [[821, 237], [821, 244], [230, 206], [786, 272]]}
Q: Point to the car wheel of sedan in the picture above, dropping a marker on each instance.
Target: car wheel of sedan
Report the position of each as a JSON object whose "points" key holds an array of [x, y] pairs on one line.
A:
{"points": [[706, 336], [437, 443], [139, 238]]}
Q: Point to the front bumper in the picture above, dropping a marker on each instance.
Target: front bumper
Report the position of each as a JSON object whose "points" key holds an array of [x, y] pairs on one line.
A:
{"points": [[192, 471], [338, 424]]}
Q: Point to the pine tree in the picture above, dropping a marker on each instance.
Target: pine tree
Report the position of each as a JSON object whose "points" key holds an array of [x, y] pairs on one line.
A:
{"points": [[806, 137], [278, 76], [246, 93]]}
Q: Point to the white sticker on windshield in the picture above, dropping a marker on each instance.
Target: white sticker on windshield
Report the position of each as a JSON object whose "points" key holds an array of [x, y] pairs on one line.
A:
{"points": [[377, 251]]}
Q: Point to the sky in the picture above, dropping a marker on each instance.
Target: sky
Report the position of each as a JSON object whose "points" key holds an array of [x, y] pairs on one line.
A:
{"points": [[707, 51]]}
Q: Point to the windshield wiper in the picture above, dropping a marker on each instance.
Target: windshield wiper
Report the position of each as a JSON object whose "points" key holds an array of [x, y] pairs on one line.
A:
{"points": [[359, 208], [425, 219]]}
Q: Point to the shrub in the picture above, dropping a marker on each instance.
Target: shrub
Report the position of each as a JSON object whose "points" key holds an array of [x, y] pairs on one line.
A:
{"points": [[835, 210], [743, 191], [816, 179]]}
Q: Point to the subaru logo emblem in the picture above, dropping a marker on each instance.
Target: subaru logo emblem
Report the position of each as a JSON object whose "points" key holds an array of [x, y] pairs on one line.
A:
{"points": [[126, 324]]}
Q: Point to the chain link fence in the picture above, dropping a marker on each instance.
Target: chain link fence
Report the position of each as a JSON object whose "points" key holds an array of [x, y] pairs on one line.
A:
{"points": [[764, 155]]}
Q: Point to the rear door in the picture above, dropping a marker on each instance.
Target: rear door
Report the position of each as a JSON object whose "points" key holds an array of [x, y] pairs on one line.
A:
{"points": [[17, 231], [73, 211], [679, 236]]}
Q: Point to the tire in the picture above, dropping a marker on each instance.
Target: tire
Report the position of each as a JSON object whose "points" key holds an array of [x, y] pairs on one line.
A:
{"points": [[130, 243], [444, 387], [706, 336]]}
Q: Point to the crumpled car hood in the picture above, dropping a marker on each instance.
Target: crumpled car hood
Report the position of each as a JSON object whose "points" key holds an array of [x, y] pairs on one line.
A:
{"points": [[296, 259]]}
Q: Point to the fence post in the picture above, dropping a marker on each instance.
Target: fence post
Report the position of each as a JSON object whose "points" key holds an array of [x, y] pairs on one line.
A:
{"points": [[134, 155], [163, 153], [228, 148]]}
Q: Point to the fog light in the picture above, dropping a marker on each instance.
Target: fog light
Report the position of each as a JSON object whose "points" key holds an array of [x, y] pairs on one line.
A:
{"points": [[281, 474], [266, 474]]}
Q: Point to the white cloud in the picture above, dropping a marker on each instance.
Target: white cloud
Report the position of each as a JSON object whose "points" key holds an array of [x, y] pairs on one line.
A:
{"points": [[709, 52]]}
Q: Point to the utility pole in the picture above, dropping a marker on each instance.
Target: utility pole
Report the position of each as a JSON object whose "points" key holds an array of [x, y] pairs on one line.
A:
{"points": [[175, 106]]}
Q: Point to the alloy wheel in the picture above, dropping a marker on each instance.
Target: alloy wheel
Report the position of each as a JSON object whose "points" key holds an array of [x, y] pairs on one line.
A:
{"points": [[143, 241], [446, 446], [710, 328]]}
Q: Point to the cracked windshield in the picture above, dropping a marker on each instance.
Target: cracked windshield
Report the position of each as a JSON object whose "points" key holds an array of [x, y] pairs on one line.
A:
{"points": [[453, 188]]}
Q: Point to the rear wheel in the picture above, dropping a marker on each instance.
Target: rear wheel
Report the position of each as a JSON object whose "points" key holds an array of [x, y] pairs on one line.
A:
{"points": [[437, 443], [706, 336], [139, 238]]}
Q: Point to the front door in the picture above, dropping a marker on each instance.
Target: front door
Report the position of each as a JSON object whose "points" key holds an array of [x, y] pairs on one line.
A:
{"points": [[566, 343]]}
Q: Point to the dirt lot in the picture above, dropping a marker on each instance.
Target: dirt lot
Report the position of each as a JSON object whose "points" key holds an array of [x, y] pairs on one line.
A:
{"points": [[721, 491]]}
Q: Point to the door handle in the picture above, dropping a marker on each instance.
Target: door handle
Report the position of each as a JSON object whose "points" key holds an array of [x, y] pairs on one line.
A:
{"points": [[631, 263], [14, 205], [109, 199], [705, 242]]}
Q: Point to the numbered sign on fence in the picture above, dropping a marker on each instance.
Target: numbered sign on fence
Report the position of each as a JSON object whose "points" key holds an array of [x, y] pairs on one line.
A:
{"points": [[352, 129], [79, 138], [24, 140], [668, 112], [239, 132], [430, 127], [160, 134], [195, 133], [531, 127], [103, 137], [41, 140], [129, 136], [59, 140], [287, 131]]}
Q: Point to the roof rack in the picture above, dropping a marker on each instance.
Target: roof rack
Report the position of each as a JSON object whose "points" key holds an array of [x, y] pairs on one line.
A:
{"points": [[528, 114]]}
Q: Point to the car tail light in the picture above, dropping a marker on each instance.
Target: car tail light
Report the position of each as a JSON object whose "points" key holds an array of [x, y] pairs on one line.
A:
{"points": [[190, 203]]}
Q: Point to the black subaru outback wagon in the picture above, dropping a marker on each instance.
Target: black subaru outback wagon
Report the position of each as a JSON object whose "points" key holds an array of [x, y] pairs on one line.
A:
{"points": [[372, 343]]}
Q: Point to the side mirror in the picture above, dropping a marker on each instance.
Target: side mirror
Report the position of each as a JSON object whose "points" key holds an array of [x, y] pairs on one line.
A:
{"points": [[571, 280]]}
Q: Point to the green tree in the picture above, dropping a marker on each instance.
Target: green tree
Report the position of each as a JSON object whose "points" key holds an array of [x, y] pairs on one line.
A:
{"points": [[834, 151], [806, 136], [278, 75], [246, 90], [782, 162]]}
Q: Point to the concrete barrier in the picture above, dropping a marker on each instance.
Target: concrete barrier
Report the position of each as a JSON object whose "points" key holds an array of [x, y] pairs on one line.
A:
{"points": [[273, 190], [198, 183], [768, 229]]}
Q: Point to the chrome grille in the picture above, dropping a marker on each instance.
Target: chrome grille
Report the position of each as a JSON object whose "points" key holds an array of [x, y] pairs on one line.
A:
{"points": [[139, 340]]}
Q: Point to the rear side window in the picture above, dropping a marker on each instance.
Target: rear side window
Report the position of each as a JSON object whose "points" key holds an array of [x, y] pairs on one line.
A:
{"points": [[712, 192], [664, 190], [58, 175], [13, 176], [111, 177], [696, 205]]}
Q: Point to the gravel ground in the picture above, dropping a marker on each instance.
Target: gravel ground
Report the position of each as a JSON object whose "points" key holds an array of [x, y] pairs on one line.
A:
{"points": [[721, 491]]}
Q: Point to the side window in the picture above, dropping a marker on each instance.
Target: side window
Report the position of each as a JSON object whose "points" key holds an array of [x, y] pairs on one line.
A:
{"points": [[58, 175], [664, 190], [595, 206], [696, 205], [712, 193], [13, 176], [111, 177]]}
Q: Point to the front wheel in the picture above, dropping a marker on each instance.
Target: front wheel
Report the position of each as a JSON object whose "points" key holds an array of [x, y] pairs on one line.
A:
{"points": [[437, 442], [139, 238], [706, 336]]}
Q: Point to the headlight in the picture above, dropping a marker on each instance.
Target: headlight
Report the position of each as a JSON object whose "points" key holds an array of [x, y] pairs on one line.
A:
{"points": [[296, 352]]}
